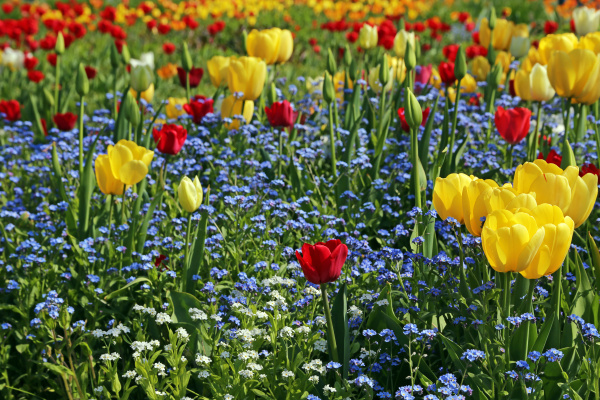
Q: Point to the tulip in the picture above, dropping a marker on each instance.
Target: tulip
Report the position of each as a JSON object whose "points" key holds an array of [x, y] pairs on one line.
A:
{"points": [[247, 75], [65, 122], [533, 57], [198, 108], [367, 37], [586, 20], [447, 196], [264, 44], [322, 263], [503, 59], [558, 233], [232, 107], [404, 124], [589, 168], [146, 60], [374, 80], [129, 162], [141, 78], [107, 182], [190, 194], [147, 94], [534, 85], [286, 46], [502, 34], [575, 75], [403, 37], [591, 41], [511, 240], [552, 158], [11, 109], [170, 138], [573, 194], [551, 43], [194, 76], [13, 59], [281, 114], [446, 71], [550, 27], [422, 74], [480, 68], [513, 124], [398, 67], [519, 46], [174, 108], [218, 67]]}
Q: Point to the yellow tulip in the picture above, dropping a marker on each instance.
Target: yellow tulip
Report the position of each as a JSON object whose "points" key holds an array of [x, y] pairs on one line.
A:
{"points": [[591, 41], [315, 86], [264, 44], [147, 94], [575, 75], [503, 33], [129, 162], [174, 107], [534, 85], [586, 20], [558, 233], [520, 30], [480, 68], [286, 46], [503, 59], [557, 41], [367, 37], [107, 182], [399, 67], [190, 194], [573, 194], [519, 46], [232, 107], [247, 75], [447, 196], [374, 80], [533, 57], [217, 69], [403, 37]]}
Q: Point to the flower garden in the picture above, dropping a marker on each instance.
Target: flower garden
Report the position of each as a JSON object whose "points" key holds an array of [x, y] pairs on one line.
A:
{"points": [[310, 199]]}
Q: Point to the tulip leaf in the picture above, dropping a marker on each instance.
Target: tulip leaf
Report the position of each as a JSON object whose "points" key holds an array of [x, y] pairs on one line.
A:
{"points": [[39, 128], [182, 302], [540, 343], [130, 284], [430, 238], [584, 296], [426, 138], [195, 263], [455, 352], [594, 257], [522, 340], [339, 312], [57, 183], [86, 188], [143, 231]]}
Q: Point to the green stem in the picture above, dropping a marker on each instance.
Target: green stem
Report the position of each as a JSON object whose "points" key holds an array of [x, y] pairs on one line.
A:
{"points": [[110, 214], [57, 84], [330, 333], [187, 86], [186, 252], [115, 99], [123, 220], [81, 137], [332, 143], [414, 148], [534, 145]]}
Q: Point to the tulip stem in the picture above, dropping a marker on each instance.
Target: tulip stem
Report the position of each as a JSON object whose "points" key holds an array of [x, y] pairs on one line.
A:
{"points": [[81, 102], [534, 145], [123, 220], [414, 149], [186, 260], [116, 100], [330, 333], [332, 143], [187, 86], [110, 214], [56, 84], [506, 293]]}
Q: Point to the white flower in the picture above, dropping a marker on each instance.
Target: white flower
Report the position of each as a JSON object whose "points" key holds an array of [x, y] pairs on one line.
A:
{"points": [[203, 374], [303, 330], [261, 315], [13, 59], [225, 354], [159, 393], [146, 59], [586, 20], [328, 390], [168, 347], [99, 389], [314, 379], [255, 367], [228, 397], [202, 360], [216, 317], [161, 368], [287, 374], [286, 332], [162, 318], [110, 357], [246, 373], [183, 334], [98, 333], [383, 302], [320, 320], [197, 314], [354, 311], [321, 345]]}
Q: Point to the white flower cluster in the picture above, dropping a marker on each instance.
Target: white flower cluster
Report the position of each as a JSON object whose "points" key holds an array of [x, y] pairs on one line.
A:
{"points": [[328, 390], [249, 336], [314, 365], [354, 312], [114, 332], [364, 353], [248, 355], [383, 302], [287, 374], [246, 373], [278, 300], [138, 347], [110, 357], [286, 332], [277, 280], [203, 374], [161, 368], [197, 314], [303, 330], [202, 360], [183, 334], [311, 291], [255, 367], [163, 318], [321, 345], [320, 320], [240, 308], [144, 310], [129, 374]]}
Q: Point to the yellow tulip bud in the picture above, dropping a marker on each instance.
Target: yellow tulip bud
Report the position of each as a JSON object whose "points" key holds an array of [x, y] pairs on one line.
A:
{"points": [[174, 107], [247, 75], [374, 80], [575, 75], [534, 85], [190, 194], [264, 44], [107, 182], [286, 46], [232, 107], [480, 68], [367, 37], [403, 37], [129, 162], [501, 37], [551, 43], [591, 41], [447, 196]]}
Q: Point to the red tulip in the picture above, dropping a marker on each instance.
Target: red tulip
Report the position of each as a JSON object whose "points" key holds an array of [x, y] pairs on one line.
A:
{"points": [[90, 72], [35, 76], [198, 107], [403, 122], [322, 262], [589, 168], [11, 109], [168, 48], [163, 29], [194, 76], [423, 74], [513, 124], [30, 62], [51, 58], [450, 52], [352, 36], [65, 122], [447, 72], [170, 138], [281, 114], [7, 8], [553, 157], [550, 27]]}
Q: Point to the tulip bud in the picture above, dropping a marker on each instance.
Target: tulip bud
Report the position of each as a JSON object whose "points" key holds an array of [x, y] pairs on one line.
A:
{"points": [[125, 54], [519, 46], [460, 64], [186, 58], [410, 58], [568, 157], [82, 84], [273, 93], [328, 89], [495, 76], [114, 56], [59, 47], [190, 194], [331, 64], [384, 71], [353, 71], [49, 97], [347, 56], [141, 78], [131, 110], [412, 110], [492, 20]]}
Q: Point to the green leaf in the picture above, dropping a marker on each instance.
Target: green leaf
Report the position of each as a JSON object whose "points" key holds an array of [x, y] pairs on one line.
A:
{"points": [[59, 369], [182, 302], [130, 284], [426, 138], [584, 296], [340, 328], [58, 183], [195, 263], [86, 188], [455, 352], [540, 343], [143, 231], [594, 256]]}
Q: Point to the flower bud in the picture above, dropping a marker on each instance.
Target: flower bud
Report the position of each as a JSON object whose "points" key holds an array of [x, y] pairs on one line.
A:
{"points": [[190, 194], [49, 97], [141, 78], [353, 71], [115, 57], [568, 157], [331, 64], [384, 72], [186, 58], [125, 54], [272, 93], [412, 110], [410, 58], [59, 47], [460, 64], [131, 110], [328, 89], [82, 84], [347, 56], [519, 46], [492, 21]]}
